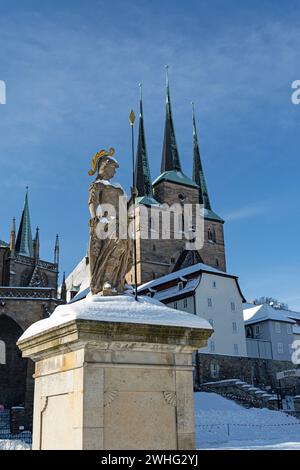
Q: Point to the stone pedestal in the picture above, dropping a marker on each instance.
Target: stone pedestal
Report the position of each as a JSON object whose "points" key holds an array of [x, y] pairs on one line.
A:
{"points": [[114, 385]]}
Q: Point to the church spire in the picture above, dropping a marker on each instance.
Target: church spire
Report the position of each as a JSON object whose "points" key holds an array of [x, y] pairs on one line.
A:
{"points": [[142, 169], [63, 292], [170, 156], [12, 240], [24, 243], [36, 244], [56, 250], [198, 174]]}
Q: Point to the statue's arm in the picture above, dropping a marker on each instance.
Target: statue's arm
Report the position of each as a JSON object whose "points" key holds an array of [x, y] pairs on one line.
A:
{"points": [[93, 201]]}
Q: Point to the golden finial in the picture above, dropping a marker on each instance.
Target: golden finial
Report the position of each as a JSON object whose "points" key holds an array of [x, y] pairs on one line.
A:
{"points": [[131, 117]]}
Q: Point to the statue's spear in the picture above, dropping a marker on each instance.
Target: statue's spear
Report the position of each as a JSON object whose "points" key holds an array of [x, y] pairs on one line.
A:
{"points": [[133, 197]]}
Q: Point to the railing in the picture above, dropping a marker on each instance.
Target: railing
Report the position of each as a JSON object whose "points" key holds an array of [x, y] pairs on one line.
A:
{"points": [[27, 293], [224, 432], [5, 431], [30, 262]]}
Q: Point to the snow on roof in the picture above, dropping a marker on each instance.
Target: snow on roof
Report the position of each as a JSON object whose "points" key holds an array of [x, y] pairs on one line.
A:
{"points": [[183, 272], [175, 290], [120, 309], [79, 277], [259, 313]]}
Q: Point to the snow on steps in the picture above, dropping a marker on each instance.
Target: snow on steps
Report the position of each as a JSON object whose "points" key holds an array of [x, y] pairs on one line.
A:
{"points": [[243, 393]]}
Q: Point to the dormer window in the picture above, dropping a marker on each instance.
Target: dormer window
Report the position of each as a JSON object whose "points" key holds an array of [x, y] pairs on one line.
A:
{"points": [[180, 285]]}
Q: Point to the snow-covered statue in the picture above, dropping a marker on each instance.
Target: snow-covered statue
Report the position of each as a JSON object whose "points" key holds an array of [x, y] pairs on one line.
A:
{"points": [[109, 246]]}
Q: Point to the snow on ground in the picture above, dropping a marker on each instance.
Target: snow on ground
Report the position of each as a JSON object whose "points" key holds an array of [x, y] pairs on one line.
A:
{"points": [[12, 444], [223, 424]]}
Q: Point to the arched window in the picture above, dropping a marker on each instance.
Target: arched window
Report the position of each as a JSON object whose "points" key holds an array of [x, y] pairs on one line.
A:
{"points": [[209, 235], [214, 236], [2, 352]]}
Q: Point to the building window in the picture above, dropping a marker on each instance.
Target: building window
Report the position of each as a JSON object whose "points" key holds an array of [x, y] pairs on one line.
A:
{"points": [[209, 302], [232, 305], [175, 305], [257, 330], [236, 348], [172, 260], [180, 285], [154, 248], [280, 348], [2, 353], [185, 303], [214, 370], [211, 235], [289, 329], [212, 346], [217, 263], [153, 275], [214, 284], [211, 322], [277, 327], [234, 327]]}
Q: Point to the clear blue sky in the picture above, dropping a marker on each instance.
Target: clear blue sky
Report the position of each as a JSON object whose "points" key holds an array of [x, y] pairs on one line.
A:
{"points": [[72, 70]]}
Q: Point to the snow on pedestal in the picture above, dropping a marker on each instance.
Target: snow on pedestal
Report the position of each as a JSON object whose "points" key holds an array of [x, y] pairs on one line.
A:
{"points": [[113, 373]]}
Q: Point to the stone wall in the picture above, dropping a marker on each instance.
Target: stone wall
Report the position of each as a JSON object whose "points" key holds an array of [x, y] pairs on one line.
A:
{"points": [[259, 372], [16, 315]]}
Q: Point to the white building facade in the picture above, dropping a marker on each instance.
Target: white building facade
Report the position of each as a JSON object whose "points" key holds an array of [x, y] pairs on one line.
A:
{"points": [[211, 294]]}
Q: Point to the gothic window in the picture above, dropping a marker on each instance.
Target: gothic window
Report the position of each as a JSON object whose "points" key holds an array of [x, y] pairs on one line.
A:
{"points": [[217, 262], [25, 277], [2, 352]]}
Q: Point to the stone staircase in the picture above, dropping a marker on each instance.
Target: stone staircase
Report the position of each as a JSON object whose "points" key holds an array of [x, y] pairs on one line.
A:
{"points": [[243, 393]]}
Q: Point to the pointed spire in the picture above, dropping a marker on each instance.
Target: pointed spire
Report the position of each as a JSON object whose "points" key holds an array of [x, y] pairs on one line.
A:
{"points": [[56, 250], [24, 243], [170, 156], [198, 173], [63, 292], [12, 240], [36, 244], [142, 169]]}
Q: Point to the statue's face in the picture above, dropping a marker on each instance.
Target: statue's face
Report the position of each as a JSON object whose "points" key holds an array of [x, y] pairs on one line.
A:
{"points": [[107, 169]]}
